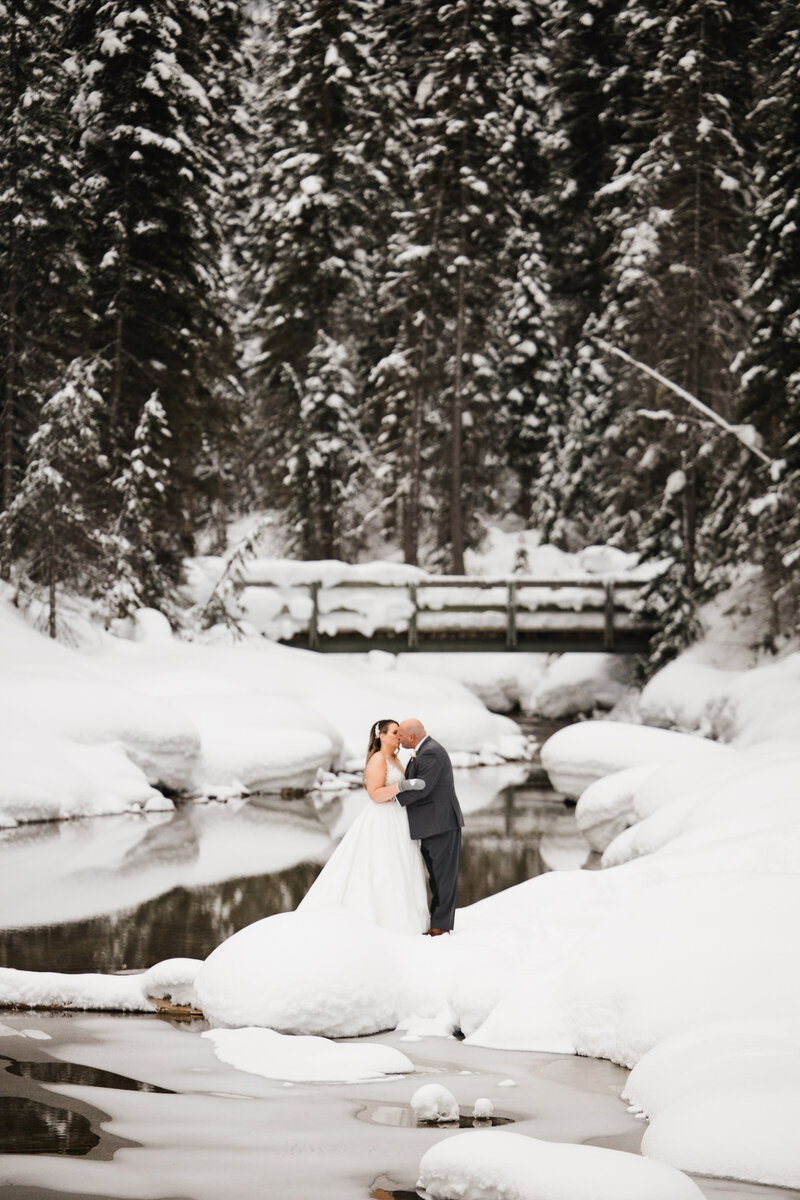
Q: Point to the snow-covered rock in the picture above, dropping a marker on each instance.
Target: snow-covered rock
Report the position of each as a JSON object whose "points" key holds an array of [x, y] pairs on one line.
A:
{"points": [[326, 972], [576, 756], [579, 683], [493, 1165], [606, 807], [432, 1102], [722, 1100]]}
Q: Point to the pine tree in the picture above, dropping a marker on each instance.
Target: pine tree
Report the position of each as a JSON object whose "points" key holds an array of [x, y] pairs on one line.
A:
{"points": [[41, 272], [532, 379], [55, 519], [142, 573], [151, 140], [676, 211], [445, 265], [310, 234], [767, 529]]}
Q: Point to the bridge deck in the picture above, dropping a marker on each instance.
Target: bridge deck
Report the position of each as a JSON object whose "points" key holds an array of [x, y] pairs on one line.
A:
{"points": [[455, 613]]}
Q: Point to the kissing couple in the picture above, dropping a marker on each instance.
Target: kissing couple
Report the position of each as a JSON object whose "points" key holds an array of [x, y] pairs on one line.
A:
{"points": [[413, 822]]}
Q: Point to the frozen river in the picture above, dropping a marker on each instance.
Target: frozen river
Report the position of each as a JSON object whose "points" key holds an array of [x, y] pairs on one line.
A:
{"points": [[138, 1106]]}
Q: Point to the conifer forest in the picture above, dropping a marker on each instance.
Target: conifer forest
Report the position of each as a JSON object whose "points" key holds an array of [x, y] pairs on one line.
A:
{"points": [[391, 268]]}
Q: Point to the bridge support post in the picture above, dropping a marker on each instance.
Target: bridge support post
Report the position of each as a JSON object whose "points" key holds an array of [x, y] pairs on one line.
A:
{"points": [[608, 631], [313, 624], [412, 620], [511, 616]]}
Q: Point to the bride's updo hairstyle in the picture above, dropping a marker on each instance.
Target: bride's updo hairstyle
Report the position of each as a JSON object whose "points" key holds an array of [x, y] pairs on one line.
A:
{"points": [[374, 743]]}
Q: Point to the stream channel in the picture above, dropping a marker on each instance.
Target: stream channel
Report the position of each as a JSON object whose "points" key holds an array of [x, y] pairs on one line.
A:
{"points": [[136, 1106]]}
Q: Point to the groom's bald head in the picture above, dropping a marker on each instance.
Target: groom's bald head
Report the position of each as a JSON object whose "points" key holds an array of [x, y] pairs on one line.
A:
{"points": [[411, 732]]}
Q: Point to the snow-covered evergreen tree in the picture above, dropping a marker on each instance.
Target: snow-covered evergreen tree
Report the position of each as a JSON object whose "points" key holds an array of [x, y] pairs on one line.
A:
{"points": [[768, 525], [309, 238], [41, 273], [676, 213], [446, 257], [151, 79], [531, 374], [54, 523], [144, 569]]}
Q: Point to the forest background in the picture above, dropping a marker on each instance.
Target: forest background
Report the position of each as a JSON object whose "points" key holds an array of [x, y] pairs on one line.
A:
{"points": [[364, 264]]}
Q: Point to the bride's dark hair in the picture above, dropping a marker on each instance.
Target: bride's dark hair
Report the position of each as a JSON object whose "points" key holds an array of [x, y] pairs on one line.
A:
{"points": [[374, 743]]}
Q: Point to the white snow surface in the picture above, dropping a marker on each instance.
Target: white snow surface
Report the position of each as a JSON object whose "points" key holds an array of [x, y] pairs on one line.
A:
{"points": [[304, 1059], [88, 733], [494, 1165]]}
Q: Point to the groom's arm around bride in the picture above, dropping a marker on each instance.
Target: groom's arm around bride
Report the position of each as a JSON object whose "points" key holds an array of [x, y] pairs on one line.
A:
{"points": [[434, 818]]}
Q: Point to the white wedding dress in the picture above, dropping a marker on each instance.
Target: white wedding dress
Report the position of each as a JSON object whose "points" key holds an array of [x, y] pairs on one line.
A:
{"points": [[376, 870]]}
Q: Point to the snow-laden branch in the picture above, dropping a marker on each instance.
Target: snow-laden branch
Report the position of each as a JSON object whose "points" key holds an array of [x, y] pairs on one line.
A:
{"points": [[734, 430]]}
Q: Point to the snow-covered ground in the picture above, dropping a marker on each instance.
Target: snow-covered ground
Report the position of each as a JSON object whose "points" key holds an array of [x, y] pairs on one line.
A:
{"points": [[105, 729], [681, 961]]}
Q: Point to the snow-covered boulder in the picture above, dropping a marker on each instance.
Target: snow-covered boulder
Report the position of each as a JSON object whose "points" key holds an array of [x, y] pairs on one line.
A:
{"points": [[579, 683], [81, 707], [432, 1102], [576, 756], [48, 778], [605, 808], [326, 972], [722, 1101], [480, 1164], [686, 694]]}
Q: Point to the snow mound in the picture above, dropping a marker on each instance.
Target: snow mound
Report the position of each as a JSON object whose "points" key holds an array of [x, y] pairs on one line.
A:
{"points": [[304, 1059], [490, 1165], [327, 972]]}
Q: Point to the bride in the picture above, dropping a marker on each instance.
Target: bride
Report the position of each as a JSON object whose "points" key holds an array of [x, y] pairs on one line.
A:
{"points": [[377, 870]]}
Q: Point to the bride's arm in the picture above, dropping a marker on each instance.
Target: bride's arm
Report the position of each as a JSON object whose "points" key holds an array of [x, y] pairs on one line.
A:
{"points": [[375, 780]]}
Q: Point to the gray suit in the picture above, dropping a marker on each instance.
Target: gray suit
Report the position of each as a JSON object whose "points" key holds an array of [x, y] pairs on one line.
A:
{"points": [[435, 818]]}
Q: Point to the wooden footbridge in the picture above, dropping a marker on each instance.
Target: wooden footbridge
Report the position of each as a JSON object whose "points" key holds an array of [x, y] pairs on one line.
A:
{"points": [[452, 613]]}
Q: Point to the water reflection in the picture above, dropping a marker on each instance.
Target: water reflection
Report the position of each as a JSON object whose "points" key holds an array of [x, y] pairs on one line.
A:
{"points": [[30, 1127], [125, 892]]}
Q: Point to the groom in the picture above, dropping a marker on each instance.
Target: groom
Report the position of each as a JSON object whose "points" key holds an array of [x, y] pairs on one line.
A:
{"points": [[434, 817]]}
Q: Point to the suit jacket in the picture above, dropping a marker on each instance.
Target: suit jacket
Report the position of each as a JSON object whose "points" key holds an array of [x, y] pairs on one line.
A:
{"points": [[436, 809]]}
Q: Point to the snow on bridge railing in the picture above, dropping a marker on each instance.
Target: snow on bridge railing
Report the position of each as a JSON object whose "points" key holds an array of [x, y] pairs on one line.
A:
{"points": [[415, 611]]}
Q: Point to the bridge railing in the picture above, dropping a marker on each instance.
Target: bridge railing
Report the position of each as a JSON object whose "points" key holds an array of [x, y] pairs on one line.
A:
{"points": [[458, 612]]}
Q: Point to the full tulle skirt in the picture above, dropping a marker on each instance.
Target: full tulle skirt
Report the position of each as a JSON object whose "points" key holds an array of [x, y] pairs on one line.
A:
{"points": [[377, 871]]}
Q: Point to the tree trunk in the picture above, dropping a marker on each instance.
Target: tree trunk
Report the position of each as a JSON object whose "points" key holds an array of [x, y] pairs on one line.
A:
{"points": [[51, 573], [414, 483], [456, 511]]}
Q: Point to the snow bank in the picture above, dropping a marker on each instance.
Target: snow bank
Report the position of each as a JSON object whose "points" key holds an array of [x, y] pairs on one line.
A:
{"points": [[490, 1165], [688, 951], [86, 735], [50, 989], [304, 1059]]}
